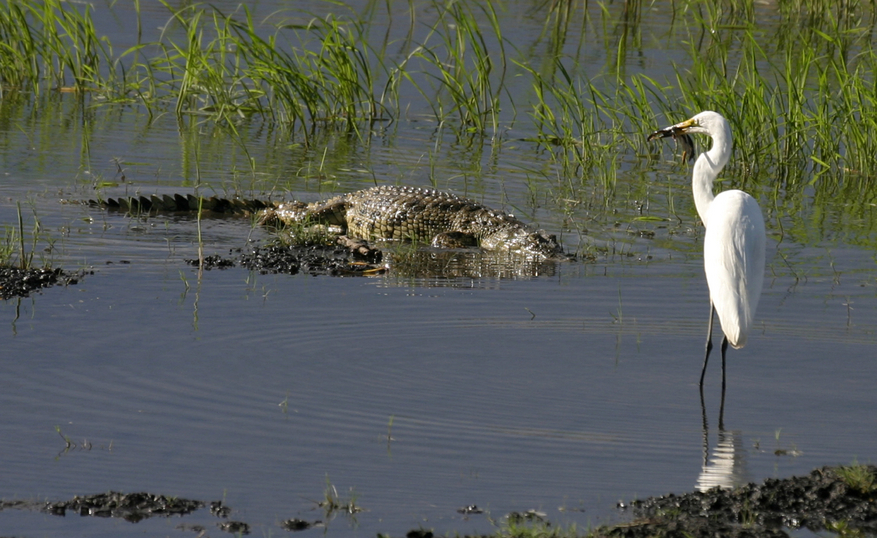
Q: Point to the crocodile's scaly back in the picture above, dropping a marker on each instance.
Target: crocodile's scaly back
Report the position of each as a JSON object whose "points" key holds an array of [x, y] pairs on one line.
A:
{"points": [[407, 213], [426, 215]]}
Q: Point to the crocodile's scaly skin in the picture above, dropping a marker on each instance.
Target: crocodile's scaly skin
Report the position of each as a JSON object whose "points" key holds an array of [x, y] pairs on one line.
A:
{"points": [[387, 212], [184, 204], [408, 213]]}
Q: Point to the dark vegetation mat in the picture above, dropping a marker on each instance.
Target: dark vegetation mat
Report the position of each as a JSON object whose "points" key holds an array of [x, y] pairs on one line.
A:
{"points": [[840, 500], [16, 282]]}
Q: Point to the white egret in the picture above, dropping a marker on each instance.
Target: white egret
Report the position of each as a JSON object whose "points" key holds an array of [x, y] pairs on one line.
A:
{"points": [[733, 246]]}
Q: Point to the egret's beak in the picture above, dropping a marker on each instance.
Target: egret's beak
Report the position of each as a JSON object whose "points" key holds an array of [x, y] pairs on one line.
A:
{"points": [[680, 135]]}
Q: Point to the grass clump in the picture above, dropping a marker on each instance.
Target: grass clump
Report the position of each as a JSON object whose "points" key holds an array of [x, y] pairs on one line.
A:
{"points": [[14, 252], [332, 503], [532, 524], [858, 477], [329, 83], [50, 41], [7, 245], [468, 65]]}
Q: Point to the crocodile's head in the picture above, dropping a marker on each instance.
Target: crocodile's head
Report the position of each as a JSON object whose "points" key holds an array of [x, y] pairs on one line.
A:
{"points": [[543, 245], [536, 245]]}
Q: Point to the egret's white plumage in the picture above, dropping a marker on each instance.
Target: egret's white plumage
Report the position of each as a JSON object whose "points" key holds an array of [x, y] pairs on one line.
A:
{"points": [[733, 246]]}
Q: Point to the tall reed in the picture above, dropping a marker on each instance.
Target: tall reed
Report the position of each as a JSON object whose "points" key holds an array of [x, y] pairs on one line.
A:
{"points": [[468, 67]]}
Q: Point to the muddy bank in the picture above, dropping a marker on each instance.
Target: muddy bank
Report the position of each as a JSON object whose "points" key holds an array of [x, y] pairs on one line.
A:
{"points": [[836, 499], [16, 282]]}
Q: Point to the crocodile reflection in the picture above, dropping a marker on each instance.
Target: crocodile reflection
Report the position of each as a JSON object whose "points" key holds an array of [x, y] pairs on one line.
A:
{"points": [[443, 267]]}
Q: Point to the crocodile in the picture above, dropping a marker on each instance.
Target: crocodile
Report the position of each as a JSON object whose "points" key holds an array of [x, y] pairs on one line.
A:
{"points": [[178, 203], [439, 218]]}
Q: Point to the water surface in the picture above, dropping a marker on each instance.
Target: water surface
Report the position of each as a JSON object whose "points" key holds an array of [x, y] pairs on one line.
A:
{"points": [[564, 393]]}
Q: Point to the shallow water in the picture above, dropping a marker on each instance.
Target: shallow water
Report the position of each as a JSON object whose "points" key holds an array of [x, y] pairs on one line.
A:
{"points": [[564, 393]]}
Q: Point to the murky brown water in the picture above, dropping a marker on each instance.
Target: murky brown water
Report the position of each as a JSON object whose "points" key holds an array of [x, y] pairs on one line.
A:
{"points": [[563, 393]]}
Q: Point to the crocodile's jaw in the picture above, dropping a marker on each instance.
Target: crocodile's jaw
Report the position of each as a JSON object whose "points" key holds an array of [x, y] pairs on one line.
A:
{"points": [[536, 245]]}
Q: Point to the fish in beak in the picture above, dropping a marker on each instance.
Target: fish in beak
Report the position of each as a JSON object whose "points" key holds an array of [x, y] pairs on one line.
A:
{"points": [[679, 133]]}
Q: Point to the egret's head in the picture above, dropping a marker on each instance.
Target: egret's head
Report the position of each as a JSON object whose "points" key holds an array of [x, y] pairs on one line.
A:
{"points": [[707, 122], [679, 132]]}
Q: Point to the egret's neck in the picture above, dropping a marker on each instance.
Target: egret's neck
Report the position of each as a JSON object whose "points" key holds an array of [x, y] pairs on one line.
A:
{"points": [[706, 170]]}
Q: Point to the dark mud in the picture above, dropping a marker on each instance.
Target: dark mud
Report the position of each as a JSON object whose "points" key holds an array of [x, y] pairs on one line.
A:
{"points": [[826, 499], [835, 499], [347, 258], [135, 507], [16, 282], [131, 507]]}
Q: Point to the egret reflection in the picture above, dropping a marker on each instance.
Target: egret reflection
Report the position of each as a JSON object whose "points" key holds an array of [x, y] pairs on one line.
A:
{"points": [[725, 466]]}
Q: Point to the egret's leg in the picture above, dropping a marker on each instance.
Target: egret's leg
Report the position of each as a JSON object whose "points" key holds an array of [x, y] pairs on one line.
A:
{"points": [[709, 344], [724, 349], [706, 430], [722, 406]]}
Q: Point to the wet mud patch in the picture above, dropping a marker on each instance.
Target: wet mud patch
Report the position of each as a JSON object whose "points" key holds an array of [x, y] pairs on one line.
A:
{"points": [[136, 507], [17, 282], [131, 507], [836, 499], [347, 258]]}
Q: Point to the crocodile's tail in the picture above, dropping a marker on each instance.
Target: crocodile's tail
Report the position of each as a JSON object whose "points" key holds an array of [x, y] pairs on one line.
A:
{"points": [[178, 203]]}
